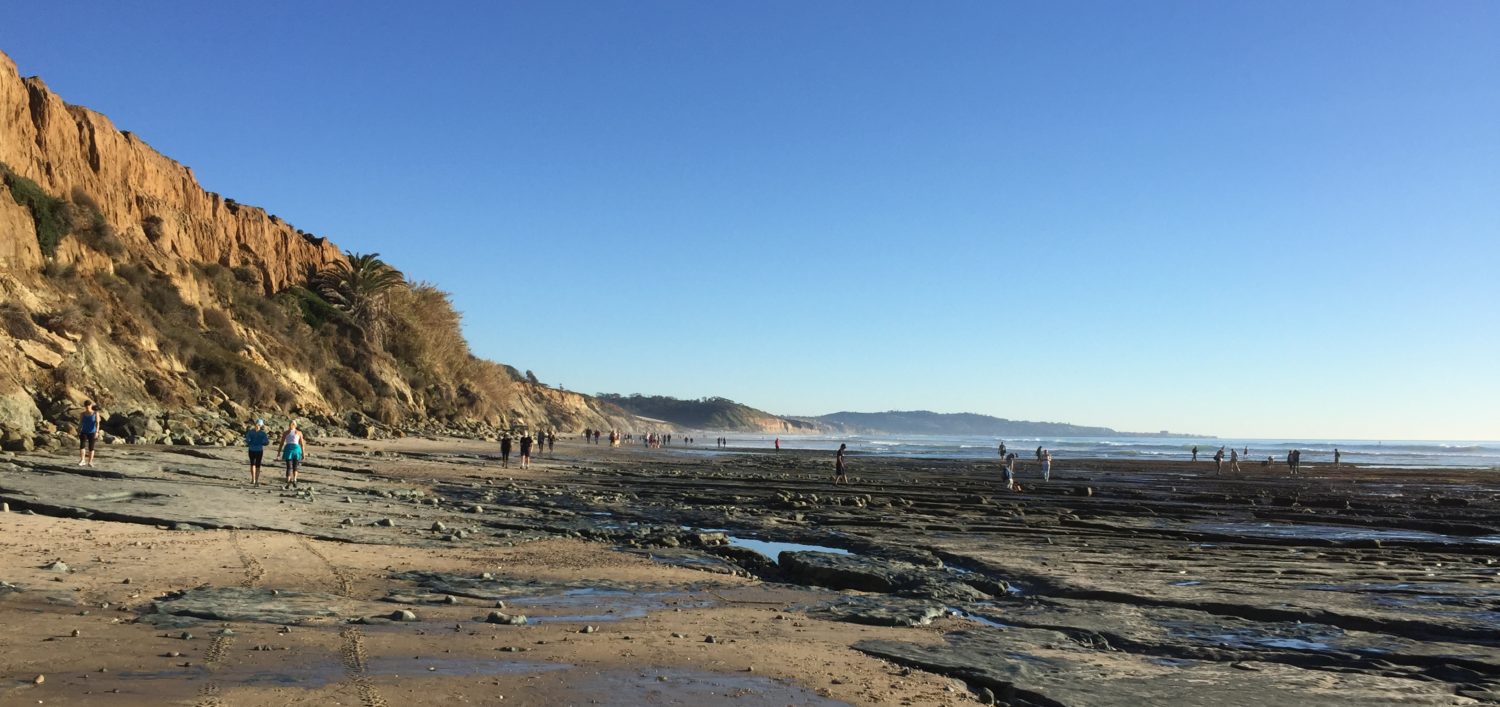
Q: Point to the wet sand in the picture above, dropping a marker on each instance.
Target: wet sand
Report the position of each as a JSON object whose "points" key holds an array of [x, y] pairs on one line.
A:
{"points": [[1115, 583]]}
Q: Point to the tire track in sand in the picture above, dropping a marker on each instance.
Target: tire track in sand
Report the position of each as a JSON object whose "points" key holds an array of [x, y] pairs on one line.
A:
{"points": [[254, 570], [218, 649], [352, 649]]}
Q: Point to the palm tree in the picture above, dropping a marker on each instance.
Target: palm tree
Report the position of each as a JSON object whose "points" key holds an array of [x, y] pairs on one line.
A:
{"points": [[359, 286]]}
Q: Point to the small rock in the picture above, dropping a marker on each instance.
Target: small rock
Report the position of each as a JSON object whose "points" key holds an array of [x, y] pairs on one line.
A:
{"points": [[710, 639], [403, 615], [499, 604], [347, 521], [39, 679], [185, 636], [385, 523], [58, 566], [496, 617], [125, 581], [75, 633], [586, 629], [438, 527], [450, 599]]}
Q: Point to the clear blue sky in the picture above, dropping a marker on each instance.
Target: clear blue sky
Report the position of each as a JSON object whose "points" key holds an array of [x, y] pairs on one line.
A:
{"points": [[1244, 218]]}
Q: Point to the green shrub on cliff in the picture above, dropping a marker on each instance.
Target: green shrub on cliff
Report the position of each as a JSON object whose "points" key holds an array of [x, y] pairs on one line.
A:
{"points": [[47, 211]]}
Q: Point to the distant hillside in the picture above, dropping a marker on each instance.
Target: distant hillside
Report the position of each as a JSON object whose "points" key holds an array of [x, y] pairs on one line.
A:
{"points": [[707, 414], [922, 422]]}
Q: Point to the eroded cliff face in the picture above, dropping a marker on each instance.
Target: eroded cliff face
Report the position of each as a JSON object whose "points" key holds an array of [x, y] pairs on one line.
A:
{"points": [[216, 275], [68, 149]]}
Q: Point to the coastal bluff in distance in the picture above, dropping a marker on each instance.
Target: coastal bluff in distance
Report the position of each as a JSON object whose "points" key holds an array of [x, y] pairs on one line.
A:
{"points": [[715, 413], [923, 422]]}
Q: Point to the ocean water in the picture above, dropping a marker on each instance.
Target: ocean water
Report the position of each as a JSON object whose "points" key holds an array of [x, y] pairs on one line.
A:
{"points": [[1386, 453]]}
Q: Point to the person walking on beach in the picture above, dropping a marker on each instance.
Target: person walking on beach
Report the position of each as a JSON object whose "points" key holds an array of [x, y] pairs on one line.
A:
{"points": [[1336, 457], [1002, 451], [1291, 460], [1218, 461], [1234, 460], [526, 443], [505, 442], [292, 442], [1195, 453], [551, 441], [1047, 465], [256, 440], [778, 444], [840, 474], [88, 434]]}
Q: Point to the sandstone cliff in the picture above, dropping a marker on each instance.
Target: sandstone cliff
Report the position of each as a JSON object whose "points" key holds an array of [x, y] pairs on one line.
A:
{"points": [[123, 281]]}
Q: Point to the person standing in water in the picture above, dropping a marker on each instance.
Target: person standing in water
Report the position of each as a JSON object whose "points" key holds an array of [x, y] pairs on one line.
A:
{"points": [[256, 440], [840, 473], [291, 452], [526, 443], [88, 434]]}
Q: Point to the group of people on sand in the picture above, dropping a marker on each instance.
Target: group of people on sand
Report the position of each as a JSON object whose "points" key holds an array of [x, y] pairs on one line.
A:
{"points": [[290, 450], [1293, 459], [257, 438], [543, 440], [1008, 465]]}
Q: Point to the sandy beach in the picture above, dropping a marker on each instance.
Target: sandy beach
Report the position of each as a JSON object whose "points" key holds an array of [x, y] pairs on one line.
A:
{"points": [[160, 577]]}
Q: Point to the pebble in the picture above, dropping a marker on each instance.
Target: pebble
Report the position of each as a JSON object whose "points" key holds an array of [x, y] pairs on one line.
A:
{"points": [[39, 679], [710, 639], [75, 633], [586, 629], [385, 523], [438, 527], [403, 615]]}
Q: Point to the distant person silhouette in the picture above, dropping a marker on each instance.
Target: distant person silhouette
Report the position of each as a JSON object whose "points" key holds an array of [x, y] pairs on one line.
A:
{"points": [[1219, 461], [840, 474], [1336, 457], [1195, 452]]}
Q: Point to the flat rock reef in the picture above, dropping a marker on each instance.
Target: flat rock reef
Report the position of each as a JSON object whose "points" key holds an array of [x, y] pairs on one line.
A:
{"points": [[422, 572]]}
